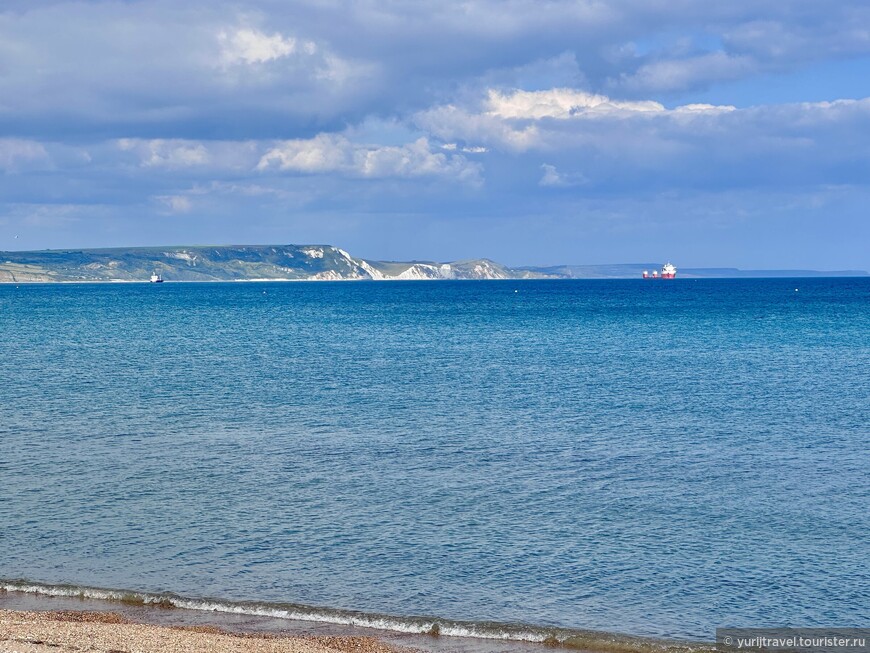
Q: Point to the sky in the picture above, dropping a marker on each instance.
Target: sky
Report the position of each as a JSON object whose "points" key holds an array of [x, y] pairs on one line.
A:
{"points": [[531, 132]]}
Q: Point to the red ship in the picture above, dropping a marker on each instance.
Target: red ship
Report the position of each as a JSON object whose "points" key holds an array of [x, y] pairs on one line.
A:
{"points": [[668, 272]]}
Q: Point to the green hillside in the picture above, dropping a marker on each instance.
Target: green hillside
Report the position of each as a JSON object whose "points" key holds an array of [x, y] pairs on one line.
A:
{"points": [[306, 262], [227, 263]]}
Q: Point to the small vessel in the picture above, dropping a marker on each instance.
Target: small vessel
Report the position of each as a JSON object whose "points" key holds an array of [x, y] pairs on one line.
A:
{"points": [[156, 278], [668, 272]]}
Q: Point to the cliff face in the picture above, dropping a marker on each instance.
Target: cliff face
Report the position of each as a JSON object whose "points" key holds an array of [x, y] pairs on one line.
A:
{"points": [[229, 263], [307, 263]]}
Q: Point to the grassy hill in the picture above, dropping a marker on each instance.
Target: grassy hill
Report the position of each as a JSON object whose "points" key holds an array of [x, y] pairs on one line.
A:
{"points": [[227, 263]]}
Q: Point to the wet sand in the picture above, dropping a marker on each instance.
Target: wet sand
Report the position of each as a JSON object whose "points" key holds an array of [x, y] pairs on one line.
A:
{"points": [[110, 632]]}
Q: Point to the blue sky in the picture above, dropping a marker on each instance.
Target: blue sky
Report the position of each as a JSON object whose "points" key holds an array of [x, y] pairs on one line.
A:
{"points": [[527, 131]]}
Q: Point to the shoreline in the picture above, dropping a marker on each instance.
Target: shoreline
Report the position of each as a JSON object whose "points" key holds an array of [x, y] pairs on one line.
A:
{"points": [[684, 277], [430, 634], [112, 632]]}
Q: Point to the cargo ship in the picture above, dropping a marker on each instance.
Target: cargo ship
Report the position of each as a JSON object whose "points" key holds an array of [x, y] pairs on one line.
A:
{"points": [[668, 272]]}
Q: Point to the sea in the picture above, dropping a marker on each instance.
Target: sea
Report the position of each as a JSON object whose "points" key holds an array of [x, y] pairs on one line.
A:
{"points": [[515, 460]]}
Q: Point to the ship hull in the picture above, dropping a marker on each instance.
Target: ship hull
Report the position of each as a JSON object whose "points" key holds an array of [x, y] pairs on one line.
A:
{"points": [[668, 272]]}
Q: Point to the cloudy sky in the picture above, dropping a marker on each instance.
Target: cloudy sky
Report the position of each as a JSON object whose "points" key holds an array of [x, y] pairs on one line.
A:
{"points": [[733, 133]]}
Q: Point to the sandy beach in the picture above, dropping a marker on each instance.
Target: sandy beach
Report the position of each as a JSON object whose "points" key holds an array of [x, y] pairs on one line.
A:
{"points": [[109, 632]]}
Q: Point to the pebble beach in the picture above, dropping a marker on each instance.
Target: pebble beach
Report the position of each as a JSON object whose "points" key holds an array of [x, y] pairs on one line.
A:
{"points": [[109, 632]]}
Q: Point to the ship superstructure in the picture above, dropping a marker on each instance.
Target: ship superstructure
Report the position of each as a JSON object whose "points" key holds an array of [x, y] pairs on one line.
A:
{"points": [[668, 272]]}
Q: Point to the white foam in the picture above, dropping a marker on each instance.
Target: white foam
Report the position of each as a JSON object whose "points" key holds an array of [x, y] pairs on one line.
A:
{"points": [[411, 625]]}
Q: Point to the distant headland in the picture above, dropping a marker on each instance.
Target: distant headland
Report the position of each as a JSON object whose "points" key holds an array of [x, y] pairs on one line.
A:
{"points": [[308, 263]]}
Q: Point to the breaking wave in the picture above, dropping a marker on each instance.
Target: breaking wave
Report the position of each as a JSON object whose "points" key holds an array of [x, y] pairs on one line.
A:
{"points": [[433, 626]]}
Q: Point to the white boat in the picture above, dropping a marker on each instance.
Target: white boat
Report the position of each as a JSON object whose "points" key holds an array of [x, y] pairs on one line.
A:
{"points": [[156, 278]]}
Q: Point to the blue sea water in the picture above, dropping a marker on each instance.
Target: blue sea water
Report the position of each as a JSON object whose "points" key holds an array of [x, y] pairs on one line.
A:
{"points": [[652, 458]]}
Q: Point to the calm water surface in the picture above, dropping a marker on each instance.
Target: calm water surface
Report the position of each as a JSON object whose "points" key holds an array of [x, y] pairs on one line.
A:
{"points": [[654, 458]]}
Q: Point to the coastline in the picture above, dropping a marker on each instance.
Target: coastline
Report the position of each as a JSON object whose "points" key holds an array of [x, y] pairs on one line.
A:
{"points": [[433, 635], [685, 277], [35, 632]]}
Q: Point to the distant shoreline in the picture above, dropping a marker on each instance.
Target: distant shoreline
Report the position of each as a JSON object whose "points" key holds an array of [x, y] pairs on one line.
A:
{"points": [[316, 263], [116, 282]]}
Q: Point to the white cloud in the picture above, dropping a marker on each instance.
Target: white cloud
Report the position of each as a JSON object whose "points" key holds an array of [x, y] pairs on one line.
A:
{"points": [[551, 176], [566, 103], [137, 68], [307, 62], [554, 179], [323, 153], [450, 122], [686, 147], [704, 108], [339, 71], [468, 149], [332, 153], [326, 153], [232, 188], [557, 118], [251, 46], [16, 153], [193, 155], [160, 153], [561, 103], [620, 150], [175, 203]]}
